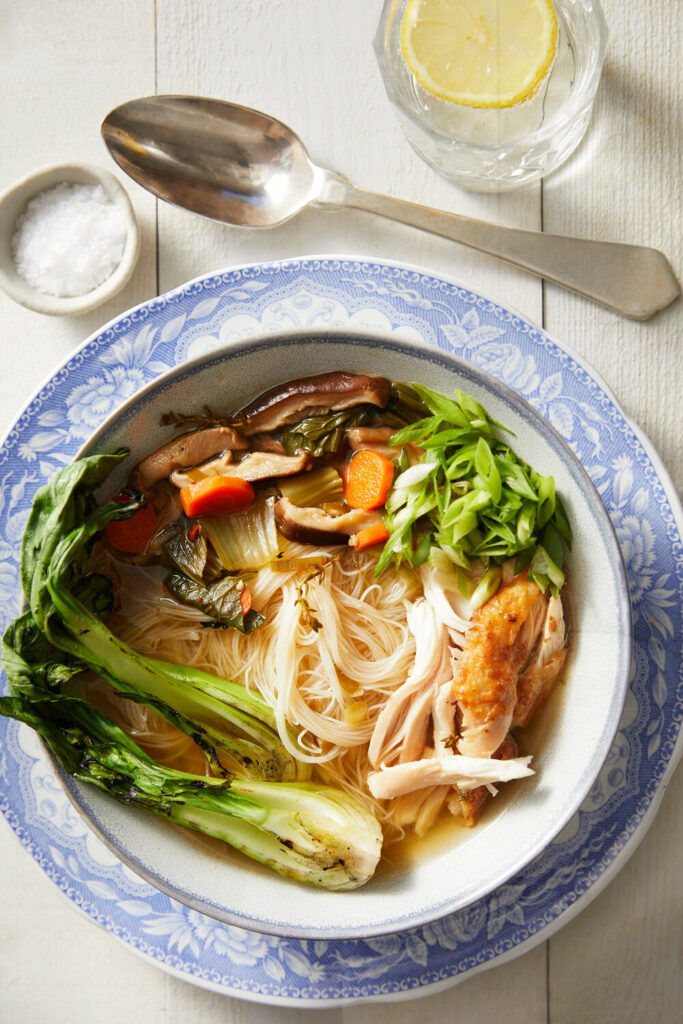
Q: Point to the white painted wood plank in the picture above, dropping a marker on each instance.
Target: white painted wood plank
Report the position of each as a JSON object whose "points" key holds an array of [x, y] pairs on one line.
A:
{"points": [[311, 64], [187, 1003], [62, 68], [511, 993], [626, 187], [620, 960], [57, 966]]}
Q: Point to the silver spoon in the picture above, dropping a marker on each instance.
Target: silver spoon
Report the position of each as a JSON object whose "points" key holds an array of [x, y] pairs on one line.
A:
{"points": [[237, 165]]}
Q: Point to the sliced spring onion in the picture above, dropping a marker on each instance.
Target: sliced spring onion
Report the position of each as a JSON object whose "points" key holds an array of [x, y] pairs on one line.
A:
{"points": [[471, 495], [486, 587], [414, 475], [313, 489], [245, 540]]}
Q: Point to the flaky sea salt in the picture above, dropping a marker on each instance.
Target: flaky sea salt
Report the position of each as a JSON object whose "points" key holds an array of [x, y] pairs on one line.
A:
{"points": [[69, 239]]}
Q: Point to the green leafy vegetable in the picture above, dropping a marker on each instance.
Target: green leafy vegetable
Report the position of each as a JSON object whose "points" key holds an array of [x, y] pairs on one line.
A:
{"points": [[309, 832], [187, 550], [404, 405], [323, 435], [66, 607], [473, 497], [220, 600]]}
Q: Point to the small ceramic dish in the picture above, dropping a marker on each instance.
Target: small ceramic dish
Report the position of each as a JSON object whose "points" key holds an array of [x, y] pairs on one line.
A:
{"points": [[569, 742], [13, 202]]}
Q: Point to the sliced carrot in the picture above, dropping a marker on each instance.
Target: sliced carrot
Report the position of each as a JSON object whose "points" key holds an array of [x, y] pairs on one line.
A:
{"points": [[245, 600], [369, 475], [216, 496], [132, 535], [371, 535]]}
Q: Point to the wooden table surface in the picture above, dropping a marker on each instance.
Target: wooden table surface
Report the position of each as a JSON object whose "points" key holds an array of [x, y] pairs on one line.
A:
{"points": [[63, 66]]}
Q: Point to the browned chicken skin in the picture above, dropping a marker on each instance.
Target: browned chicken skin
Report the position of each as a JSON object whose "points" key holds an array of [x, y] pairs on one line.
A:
{"points": [[499, 643]]}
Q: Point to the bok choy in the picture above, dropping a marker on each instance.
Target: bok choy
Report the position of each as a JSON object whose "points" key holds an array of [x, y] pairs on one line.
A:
{"points": [[262, 806], [310, 833]]}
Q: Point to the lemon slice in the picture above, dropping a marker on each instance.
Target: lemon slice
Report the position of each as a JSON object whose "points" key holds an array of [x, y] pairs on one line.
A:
{"points": [[479, 53]]}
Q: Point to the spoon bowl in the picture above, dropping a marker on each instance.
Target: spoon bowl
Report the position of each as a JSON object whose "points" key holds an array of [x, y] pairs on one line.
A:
{"points": [[221, 160], [238, 165]]}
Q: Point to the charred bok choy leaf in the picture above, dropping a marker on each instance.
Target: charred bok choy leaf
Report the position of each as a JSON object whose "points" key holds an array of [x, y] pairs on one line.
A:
{"points": [[66, 606], [312, 833], [471, 496], [197, 580]]}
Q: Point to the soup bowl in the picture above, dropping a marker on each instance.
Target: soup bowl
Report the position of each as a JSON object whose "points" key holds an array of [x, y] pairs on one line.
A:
{"points": [[569, 741]]}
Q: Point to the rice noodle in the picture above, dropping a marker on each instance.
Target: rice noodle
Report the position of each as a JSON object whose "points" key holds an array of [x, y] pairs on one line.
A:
{"points": [[362, 652]]}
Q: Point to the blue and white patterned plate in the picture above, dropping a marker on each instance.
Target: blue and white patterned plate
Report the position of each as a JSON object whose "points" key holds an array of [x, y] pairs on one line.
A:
{"points": [[339, 292]]}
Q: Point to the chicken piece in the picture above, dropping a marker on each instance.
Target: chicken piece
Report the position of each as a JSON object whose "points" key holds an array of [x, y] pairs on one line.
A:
{"points": [[467, 773], [401, 728], [544, 667], [419, 809], [187, 450], [501, 636], [443, 719], [468, 808], [450, 606]]}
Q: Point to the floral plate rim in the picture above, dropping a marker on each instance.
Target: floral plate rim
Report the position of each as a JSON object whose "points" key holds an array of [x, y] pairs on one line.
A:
{"points": [[622, 844]]}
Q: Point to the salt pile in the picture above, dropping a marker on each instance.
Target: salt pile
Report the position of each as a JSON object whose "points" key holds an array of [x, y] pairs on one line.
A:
{"points": [[69, 240]]}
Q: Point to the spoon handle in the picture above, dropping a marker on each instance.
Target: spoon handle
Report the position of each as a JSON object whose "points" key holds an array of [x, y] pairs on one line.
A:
{"points": [[633, 280]]}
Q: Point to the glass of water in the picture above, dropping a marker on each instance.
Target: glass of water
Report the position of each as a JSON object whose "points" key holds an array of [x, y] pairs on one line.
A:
{"points": [[498, 149]]}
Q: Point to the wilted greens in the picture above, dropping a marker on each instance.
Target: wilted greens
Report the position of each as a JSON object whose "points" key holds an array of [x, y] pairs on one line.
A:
{"points": [[260, 804]]}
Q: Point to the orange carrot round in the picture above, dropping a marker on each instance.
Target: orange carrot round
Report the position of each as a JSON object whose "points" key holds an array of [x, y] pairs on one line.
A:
{"points": [[216, 496], [371, 535], [132, 535], [369, 475]]}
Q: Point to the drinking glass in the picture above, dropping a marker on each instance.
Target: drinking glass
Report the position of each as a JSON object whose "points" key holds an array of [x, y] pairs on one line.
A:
{"points": [[500, 149]]}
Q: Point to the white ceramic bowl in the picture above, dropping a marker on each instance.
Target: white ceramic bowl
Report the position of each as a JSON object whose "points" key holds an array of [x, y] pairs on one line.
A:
{"points": [[13, 202], [569, 742]]}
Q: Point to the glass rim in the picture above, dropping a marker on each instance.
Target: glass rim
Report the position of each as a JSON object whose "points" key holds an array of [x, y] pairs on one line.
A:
{"points": [[580, 100]]}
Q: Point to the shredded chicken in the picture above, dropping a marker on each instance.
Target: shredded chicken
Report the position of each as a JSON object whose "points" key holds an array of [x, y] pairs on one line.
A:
{"points": [[468, 806], [496, 671], [464, 772], [401, 728]]}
